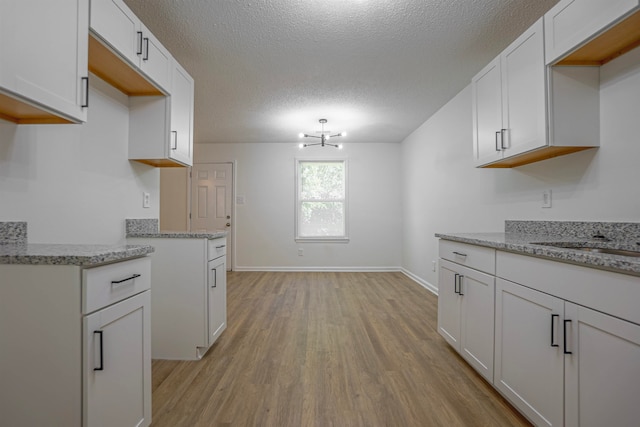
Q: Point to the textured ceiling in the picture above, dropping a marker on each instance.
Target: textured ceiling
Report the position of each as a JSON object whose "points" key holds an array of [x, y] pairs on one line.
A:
{"points": [[266, 70]]}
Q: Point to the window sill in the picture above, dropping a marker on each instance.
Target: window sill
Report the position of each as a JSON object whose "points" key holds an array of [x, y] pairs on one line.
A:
{"points": [[322, 239]]}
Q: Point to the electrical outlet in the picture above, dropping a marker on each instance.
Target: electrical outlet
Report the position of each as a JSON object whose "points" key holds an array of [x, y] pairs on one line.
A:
{"points": [[146, 200], [546, 199], [300, 252]]}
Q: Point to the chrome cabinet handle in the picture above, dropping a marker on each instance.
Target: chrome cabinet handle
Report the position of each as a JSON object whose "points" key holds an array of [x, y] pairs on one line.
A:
{"points": [[460, 277], [455, 283], [220, 247], [215, 277], [502, 131], [498, 146], [459, 253]]}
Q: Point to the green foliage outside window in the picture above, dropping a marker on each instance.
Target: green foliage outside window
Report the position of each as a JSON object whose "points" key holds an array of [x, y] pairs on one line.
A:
{"points": [[321, 199]]}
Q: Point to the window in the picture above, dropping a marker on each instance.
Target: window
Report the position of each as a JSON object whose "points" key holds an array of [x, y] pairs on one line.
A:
{"points": [[321, 200]]}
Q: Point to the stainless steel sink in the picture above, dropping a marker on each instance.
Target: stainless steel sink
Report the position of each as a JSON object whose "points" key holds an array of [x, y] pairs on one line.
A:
{"points": [[580, 247]]}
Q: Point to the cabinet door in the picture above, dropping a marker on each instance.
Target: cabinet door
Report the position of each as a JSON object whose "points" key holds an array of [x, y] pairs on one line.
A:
{"points": [[217, 298], [529, 367], [119, 27], [603, 371], [117, 364], [449, 303], [155, 60], [524, 92], [477, 292], [486, 95], [181, 116], [44, 51]]}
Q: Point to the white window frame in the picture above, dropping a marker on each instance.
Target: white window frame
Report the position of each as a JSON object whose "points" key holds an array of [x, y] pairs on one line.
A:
{"points": [[298, 201]]}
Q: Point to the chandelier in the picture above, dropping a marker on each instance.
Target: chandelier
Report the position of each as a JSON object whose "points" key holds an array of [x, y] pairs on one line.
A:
{"points": [[324, 137]]}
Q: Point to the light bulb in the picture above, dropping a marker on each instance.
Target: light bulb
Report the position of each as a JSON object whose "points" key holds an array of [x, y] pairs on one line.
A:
{"points": [[327, 137], [300, 145], [339, 146], [301, 135], [343, 134]]}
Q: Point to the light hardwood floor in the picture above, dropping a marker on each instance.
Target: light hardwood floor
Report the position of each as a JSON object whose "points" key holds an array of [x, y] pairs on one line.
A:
{"points": [[327, 349]]}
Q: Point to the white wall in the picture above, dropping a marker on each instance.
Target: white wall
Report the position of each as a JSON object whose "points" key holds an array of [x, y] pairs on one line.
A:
{"points": [[264, 225], [443, 192], [73, 183]]}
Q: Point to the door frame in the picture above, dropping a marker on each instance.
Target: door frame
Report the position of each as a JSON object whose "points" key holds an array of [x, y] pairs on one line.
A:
{"points": [[234, 173]]}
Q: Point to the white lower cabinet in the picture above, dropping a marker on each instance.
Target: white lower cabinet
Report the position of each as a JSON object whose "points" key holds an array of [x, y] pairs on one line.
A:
{"points": [[529, 351], [217, 294], [188, 299], [602, 373], [465, 311], [557, 360], [566, 347], [75, 345], [117, 359]]}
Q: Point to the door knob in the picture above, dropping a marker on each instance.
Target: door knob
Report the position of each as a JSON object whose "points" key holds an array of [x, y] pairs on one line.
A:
{"points": [[228, 224], [228, 217]]}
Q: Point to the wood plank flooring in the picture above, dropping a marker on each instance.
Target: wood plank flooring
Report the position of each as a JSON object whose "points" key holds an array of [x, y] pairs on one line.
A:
{"points": [[327, 349]]}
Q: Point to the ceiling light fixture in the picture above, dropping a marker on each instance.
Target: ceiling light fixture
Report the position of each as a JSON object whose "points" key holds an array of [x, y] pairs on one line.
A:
{"points": [[324, 137]]}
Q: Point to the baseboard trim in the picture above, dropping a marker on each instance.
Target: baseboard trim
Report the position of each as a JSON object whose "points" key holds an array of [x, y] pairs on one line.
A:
{"points": [[428, 286], [322, 269]]}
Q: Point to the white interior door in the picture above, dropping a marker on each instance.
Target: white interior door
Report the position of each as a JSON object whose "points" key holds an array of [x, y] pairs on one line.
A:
{"points": [[211, 196]]}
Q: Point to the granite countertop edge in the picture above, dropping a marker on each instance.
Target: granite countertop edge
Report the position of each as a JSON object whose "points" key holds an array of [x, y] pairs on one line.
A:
{"points": [[524, 244], [71, 254], [178, 235]]}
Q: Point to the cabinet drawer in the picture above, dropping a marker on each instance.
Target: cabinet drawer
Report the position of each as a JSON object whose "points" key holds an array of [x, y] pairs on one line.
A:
{"points": [[216, 248], [102, 286], [477, 257]]}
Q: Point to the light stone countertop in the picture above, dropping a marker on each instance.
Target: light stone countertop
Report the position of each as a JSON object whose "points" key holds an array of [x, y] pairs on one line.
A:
{"points": [[178, 235], [150, 228], [524, 243], [63, 254]]}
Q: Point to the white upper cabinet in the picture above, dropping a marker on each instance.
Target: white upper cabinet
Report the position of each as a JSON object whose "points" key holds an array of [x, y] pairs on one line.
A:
{"points": [[524, 112], [182, 91], [523, 93], [119, 35], [43, 66], [160, 127], [155, 60], [487, 113], [592, 31]]}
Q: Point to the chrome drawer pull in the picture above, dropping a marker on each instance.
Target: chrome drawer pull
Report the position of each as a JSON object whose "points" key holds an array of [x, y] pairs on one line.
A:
{"points": [[220, 247], [115, 282], [459, 253]]}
